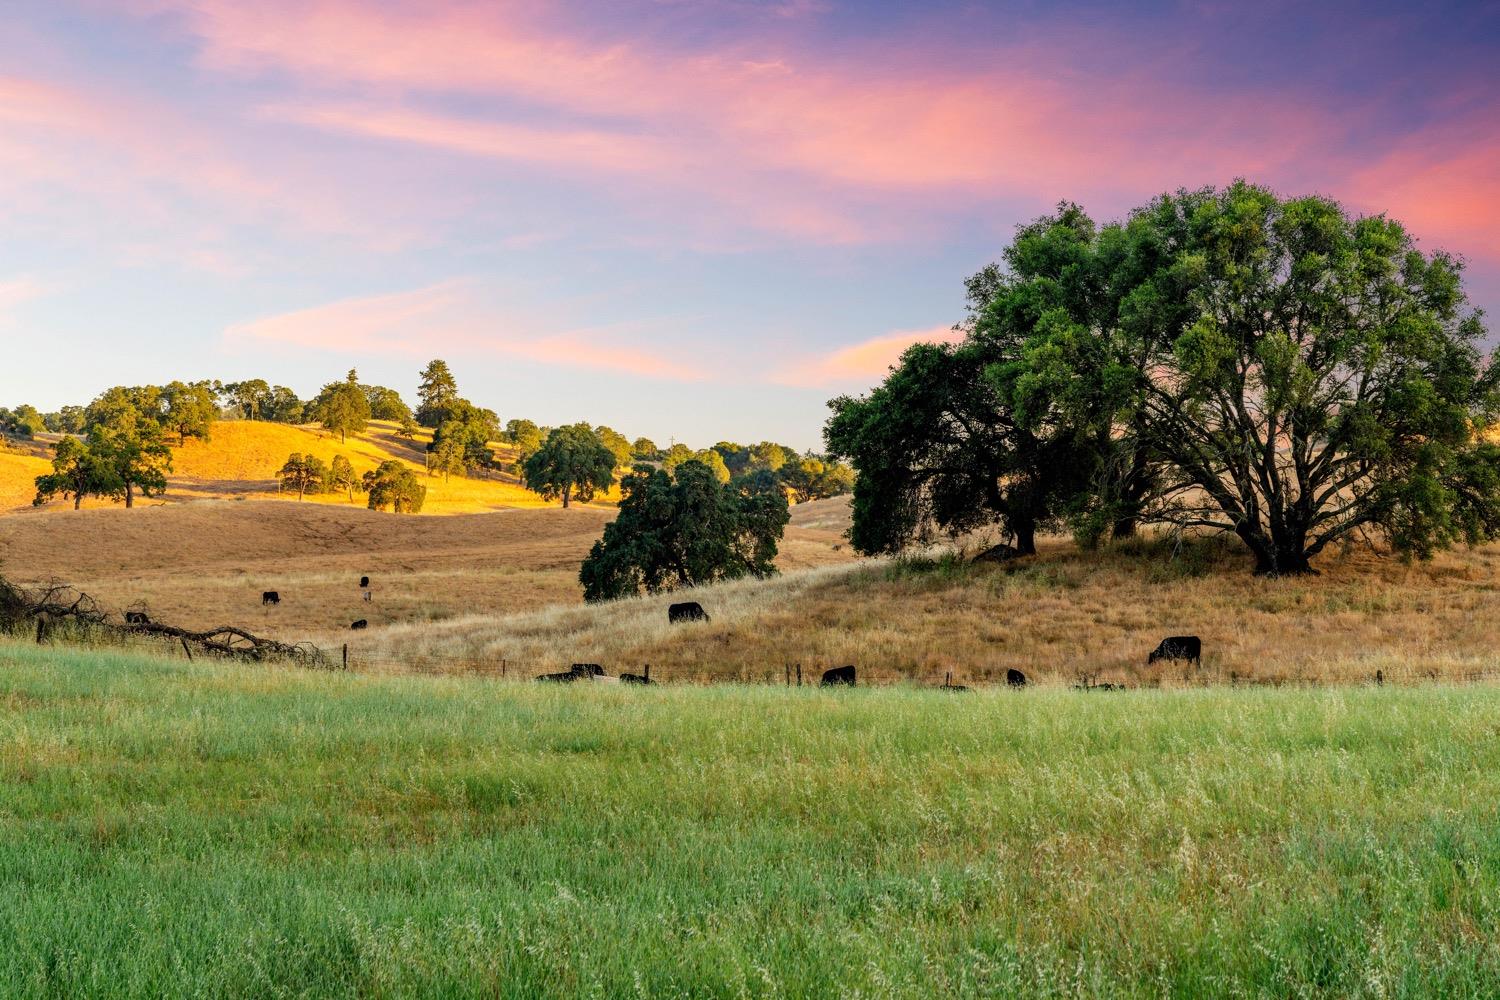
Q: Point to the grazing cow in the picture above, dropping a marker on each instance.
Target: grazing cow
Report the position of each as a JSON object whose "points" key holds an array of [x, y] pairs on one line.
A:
{"points": [[364, 583], [270, 597], [1178, 647], [642, 678], [359, 624], [1015, 678], [136, 618], [838, 677], [687, 611], [578, 672]]}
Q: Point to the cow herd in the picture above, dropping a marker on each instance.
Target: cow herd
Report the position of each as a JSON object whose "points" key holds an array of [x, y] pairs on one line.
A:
{"points": [[1173, 647], [271, 598]]}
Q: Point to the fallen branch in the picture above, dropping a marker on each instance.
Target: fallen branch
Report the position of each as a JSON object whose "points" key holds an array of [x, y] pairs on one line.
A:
{"points": [[61, 602]]}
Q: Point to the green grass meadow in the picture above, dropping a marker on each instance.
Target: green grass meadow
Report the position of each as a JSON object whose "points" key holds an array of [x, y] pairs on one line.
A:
{"points": [[175, 829]]}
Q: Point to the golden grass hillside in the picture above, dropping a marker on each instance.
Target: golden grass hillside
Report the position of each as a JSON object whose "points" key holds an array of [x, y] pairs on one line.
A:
{"points": [[1058, 616], [18, 472], [207, 563], [241, 459]]}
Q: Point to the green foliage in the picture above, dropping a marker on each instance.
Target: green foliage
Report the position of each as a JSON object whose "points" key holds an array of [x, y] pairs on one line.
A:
{"points": [[188, 410], [305, 474], [708, 457], [461, 443], [436, 394], [395, 486], [408, 428], [445, 453], [683, 530], [617, 443], [386, 404], [341, 477], [525, 435], [123, 426], [813, 478], [944, 444], [79, 469], [1319, 377], [24, 422], [644, 449], [66, 420], [1225, 359], [342, 407], [571, 462], [248, 398]]}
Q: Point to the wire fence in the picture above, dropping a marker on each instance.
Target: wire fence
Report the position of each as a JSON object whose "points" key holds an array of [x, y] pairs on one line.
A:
{"points": [[347, 657]]}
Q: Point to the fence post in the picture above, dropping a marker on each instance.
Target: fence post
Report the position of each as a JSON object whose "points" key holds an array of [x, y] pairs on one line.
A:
{"points": [[41, 628], [346, 656], [502, 668], [799, 675], [788, 667]]}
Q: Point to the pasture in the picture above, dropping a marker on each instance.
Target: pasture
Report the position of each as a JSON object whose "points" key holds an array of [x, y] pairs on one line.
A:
{"points": [[175, 829]]}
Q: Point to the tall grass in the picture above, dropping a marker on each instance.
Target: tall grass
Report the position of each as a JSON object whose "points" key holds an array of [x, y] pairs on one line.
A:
{"points": [[175, 829]]}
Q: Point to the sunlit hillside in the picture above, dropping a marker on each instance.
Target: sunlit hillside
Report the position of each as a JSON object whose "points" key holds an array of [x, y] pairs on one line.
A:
{"points": [[241, 458], [18, 472]]}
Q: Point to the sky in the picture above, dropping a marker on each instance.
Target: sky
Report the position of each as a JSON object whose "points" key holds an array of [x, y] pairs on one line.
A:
{"points": [[693, 220]]}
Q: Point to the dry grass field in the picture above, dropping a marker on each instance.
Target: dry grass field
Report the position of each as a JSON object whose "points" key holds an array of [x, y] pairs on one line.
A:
{"points": [[206, 563], [496, 581], [1057, 617]]}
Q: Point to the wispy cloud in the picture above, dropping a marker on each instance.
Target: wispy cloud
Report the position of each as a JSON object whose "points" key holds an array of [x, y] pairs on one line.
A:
{"points": [[450, 316], [863, 363], [15, 292]]}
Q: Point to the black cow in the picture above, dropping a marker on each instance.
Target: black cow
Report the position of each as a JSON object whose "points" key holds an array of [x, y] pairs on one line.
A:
{"points": [[359, 624], [642, 678], [1178, 647], [838, 677], [270, 597], [364, 583], [578, 672], [1015, 678], [136, 618], [687, 611]]}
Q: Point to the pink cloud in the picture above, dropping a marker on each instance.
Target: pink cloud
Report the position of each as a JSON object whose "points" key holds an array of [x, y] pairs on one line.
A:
{"points": [[1443, 184], [451, 316], [805, 145], [863, 363], [593, 149]]}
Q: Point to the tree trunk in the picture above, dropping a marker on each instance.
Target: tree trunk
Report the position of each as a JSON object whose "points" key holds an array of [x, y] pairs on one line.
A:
{"points": [[1125, 526], [77, 500], [567, 490], [1025, 537], [129, 494], [1276, 558]]}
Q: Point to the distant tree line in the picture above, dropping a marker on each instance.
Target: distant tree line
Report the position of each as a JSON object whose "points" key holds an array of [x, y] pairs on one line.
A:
{"points": [[1223, 360], [572, 462]]}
